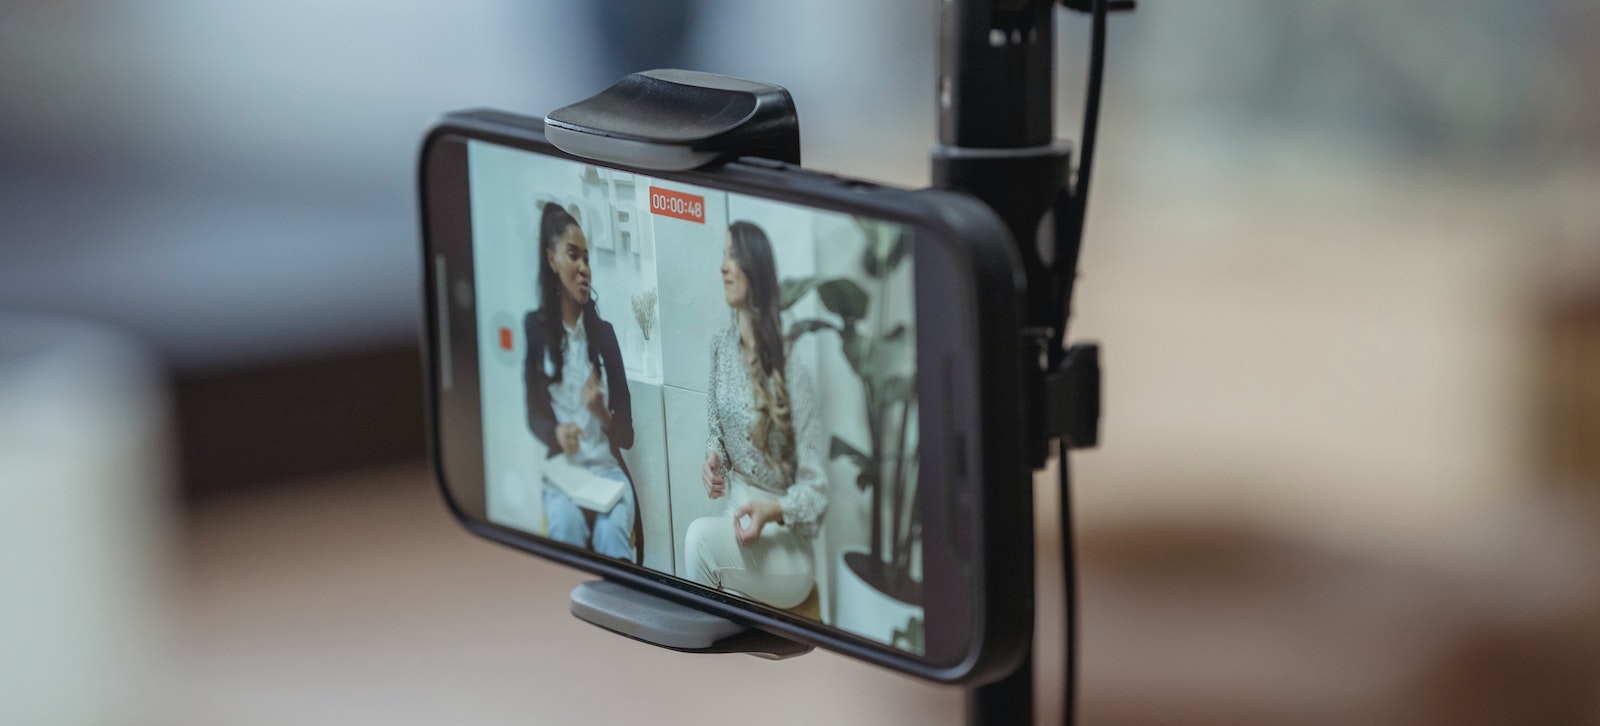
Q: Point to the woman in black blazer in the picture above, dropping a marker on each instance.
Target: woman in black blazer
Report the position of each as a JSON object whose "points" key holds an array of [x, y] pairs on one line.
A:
{"points": [[577, 391]]}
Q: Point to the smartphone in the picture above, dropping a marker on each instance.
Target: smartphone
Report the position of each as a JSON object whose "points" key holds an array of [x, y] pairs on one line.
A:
{"points": [[780, 396]]}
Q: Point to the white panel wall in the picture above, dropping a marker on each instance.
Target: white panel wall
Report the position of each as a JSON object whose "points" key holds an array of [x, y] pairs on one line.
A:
{"points": [[689, 260], [686, 441], [623, 262], [647, 464], [692, 311]]}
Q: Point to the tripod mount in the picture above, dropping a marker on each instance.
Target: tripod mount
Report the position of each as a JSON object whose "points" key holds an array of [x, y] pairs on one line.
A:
{"points": [[996, 142]]}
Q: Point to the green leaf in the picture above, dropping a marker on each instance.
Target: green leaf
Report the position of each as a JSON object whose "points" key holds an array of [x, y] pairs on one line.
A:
{"points": [[840, 447], [866, 466], [857, 352], [865, 227], [886, 246], [802, 327], [870, 261], [897, 251], [844, 298], [877, 254], [885, 357], [791, 289]]}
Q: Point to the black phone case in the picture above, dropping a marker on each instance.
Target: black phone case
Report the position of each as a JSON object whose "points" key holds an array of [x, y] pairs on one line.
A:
{"points": [[1003, 612]]}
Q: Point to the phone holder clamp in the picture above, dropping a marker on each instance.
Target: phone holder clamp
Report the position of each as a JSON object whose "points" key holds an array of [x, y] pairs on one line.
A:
{"points": [[675, 120], [1072, 398], [650, 619]]}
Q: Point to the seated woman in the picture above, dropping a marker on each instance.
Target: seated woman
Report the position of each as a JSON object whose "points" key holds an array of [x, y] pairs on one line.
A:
{"points": [[764, 452], [577, 392]]}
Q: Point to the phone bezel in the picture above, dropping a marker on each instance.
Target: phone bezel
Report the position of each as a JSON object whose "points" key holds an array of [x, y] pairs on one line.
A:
{"points": [[963, 250]]}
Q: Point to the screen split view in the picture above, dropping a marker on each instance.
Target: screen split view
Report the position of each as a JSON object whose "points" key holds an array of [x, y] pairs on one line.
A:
{"points": [[711, 386]]}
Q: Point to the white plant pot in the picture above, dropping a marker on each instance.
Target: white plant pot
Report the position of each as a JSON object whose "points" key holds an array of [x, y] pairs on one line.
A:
{"points": [[866, 611]]}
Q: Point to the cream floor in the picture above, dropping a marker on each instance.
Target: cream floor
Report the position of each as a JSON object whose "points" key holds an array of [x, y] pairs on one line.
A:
{"points": [[358, 600]]}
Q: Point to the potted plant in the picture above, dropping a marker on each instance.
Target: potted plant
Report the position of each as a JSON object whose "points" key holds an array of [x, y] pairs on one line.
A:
{"points": [[878, 354]]}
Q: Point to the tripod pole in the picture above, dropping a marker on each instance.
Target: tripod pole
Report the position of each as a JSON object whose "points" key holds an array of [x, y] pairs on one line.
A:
{"points": [[996, 142], [997, 125]]}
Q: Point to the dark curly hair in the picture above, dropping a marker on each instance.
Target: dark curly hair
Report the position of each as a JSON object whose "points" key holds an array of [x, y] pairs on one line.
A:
{"points": [[552, 225]]}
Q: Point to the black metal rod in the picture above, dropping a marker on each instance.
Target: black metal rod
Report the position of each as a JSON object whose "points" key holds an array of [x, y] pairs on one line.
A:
{"points": [[996, 74], [996, 136], [1006, 702], [1069, 594], [997, 128]]}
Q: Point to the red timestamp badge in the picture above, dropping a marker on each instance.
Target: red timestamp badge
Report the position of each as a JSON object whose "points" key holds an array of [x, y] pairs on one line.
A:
{"points": [[677, 205]]}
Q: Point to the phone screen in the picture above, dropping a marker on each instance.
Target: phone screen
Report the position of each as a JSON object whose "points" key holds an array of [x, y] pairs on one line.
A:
{"points": [[716, 387]]}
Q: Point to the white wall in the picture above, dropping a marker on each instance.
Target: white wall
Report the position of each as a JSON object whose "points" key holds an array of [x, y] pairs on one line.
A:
{"points": [[692, 311], [647, 464]]}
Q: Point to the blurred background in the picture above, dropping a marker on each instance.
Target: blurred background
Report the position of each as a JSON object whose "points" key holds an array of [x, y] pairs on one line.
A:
{"points": [[1344, 258]]}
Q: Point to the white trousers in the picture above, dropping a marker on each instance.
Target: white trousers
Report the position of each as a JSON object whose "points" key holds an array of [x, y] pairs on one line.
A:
{"points": [[777, 569]]}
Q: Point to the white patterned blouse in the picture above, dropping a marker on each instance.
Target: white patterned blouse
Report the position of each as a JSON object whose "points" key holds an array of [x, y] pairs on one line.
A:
{"points": [[730, 414]]}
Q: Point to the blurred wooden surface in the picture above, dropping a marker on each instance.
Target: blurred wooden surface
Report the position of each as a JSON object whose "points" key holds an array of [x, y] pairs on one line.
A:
{"points": [[1566, 431], [358, 600]]}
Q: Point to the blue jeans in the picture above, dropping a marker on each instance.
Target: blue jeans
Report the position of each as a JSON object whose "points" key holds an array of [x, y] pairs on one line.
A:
{"points": [[613, 531]]}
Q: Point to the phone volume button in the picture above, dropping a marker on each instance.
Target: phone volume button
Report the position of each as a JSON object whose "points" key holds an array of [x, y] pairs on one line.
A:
{"points": [[962, 497]]}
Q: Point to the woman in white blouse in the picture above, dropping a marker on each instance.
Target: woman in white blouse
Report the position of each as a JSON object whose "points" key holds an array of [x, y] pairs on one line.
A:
{"points": [[577, 392], [764, 452]]}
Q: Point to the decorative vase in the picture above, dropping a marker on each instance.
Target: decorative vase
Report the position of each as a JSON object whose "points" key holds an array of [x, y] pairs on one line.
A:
{"points": [[634, 350], [651, 365]]}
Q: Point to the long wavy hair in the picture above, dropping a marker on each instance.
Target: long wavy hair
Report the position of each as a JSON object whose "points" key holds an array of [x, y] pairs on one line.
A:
{"points": [[773, 431], [552, 225]]}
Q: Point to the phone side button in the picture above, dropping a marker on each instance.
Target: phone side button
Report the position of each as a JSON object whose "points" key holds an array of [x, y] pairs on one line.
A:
{"points": [[963, 491], [441, 294], [962, 507]]}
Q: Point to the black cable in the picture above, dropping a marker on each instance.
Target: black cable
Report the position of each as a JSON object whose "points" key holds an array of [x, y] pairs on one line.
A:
{"points": [[1072, 214], [1069, 575], [1091, 115], [1067, 268]]}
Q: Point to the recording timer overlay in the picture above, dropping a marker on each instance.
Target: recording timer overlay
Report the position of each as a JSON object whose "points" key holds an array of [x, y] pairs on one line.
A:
{"points": [[661, 259], [677, 205]]}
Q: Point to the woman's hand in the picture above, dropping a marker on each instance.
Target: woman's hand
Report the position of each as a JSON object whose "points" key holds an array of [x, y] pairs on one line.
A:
{"points": [[567, 435], [758, 514], [593, 398], [711, 476]]}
